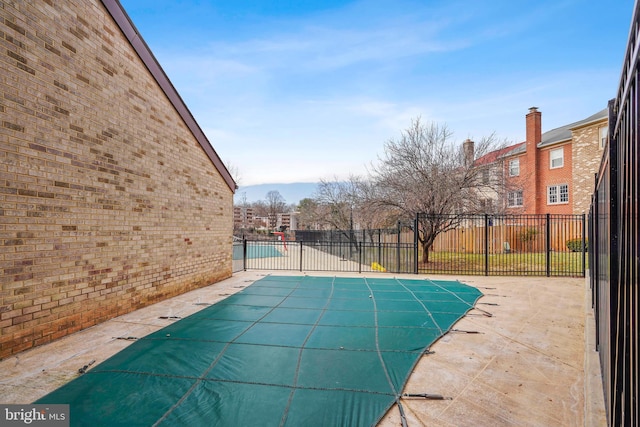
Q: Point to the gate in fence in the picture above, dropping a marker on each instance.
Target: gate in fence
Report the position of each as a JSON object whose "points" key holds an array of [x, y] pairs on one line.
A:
{"points": [[542, 245]]}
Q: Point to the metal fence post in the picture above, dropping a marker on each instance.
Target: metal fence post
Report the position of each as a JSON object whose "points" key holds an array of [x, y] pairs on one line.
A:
{"points": [[398, 248], [594, 260], [584, 247], [486, 244], [300, 255], [379, 246], [548, 245], [244, 254], [415, 245]]}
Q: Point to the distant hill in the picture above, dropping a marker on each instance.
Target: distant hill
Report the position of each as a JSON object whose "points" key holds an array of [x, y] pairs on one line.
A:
{"points": [[292, 193]]}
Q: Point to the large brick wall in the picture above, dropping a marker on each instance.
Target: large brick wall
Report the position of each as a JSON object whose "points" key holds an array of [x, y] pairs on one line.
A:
{"points": [[587, 153], [557, 176], [107, 201]]}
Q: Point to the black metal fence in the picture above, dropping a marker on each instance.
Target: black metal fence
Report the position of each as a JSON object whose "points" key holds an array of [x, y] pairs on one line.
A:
{"points": [[337, 250], [541, 245], [615, 249], [522, 245]]}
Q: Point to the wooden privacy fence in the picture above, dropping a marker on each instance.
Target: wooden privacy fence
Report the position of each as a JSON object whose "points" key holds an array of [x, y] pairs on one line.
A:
{"points": [[529, 233]]}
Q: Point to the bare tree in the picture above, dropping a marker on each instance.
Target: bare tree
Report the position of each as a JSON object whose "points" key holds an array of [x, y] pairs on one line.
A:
{"points": [[260, 208], [234, 171], [308, 213], [339, 202], [424, 172], [371, 214], [275, 205]]}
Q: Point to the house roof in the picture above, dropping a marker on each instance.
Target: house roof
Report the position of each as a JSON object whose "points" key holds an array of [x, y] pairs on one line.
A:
{"points": [[563, 133], [129, 30], [560, 134], [495, 155], [517, 149]]}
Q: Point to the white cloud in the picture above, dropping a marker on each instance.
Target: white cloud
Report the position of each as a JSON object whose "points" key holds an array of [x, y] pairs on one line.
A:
{"points": [[313, 96]]}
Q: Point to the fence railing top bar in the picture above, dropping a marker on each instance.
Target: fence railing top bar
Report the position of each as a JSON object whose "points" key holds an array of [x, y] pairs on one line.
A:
{"points": [[629, 65], [499, 215]]}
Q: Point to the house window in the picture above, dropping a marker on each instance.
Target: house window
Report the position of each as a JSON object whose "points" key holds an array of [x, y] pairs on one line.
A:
{"points": [[514, 167], [485, 176], [604, 134], [557, 194], [514, 199], [556, 158]]}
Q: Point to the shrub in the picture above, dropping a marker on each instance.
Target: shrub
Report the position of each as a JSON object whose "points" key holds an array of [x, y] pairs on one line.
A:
{"points": [[575, 245]]}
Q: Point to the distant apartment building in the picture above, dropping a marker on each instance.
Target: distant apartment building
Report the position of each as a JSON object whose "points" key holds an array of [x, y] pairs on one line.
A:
{"points": [[287, 221], [550, 172], [243, 217]]}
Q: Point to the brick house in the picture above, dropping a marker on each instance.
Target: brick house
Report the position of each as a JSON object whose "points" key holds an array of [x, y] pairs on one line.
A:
{"points": [[491, 174], [111, 197], [550, 172], [288, 220]]}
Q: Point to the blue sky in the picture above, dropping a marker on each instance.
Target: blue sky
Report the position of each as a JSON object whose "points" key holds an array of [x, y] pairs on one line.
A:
{"points": [[295, 91]]}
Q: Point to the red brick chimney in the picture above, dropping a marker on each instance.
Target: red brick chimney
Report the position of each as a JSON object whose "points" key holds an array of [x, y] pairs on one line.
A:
{"points": [[534, 126], [469, 152], [534, 137]]}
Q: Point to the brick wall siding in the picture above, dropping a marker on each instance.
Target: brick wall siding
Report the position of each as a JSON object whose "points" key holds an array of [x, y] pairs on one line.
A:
{"points": [[107, 201], [548, 177], [587, 153], [545, 177]]}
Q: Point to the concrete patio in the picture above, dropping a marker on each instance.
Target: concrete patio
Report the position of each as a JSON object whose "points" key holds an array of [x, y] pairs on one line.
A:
{"points": [[532, 362]]}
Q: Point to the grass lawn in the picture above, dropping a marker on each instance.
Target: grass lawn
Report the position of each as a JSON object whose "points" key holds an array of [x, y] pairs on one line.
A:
{"points": [[533, 263]]}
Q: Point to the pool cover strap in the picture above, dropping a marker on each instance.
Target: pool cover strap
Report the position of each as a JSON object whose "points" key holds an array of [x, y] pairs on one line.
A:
{"points": [[285, 351]]}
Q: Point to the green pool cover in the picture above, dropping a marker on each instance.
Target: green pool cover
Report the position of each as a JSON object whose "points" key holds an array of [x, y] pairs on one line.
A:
{"points": [[285, 351], [256, 250]]}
